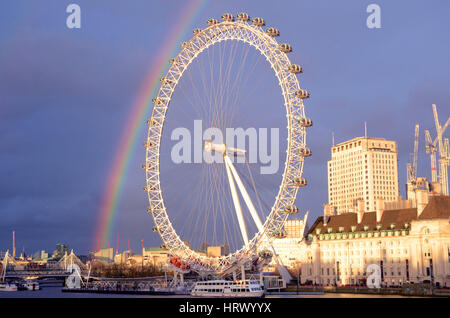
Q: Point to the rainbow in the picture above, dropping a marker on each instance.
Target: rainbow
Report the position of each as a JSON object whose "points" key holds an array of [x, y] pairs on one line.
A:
{"points": [[136, 120]]}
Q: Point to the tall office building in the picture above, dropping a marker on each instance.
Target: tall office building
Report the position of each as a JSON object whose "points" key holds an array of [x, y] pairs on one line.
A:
{"points": [[60, 251], [362, 169]]}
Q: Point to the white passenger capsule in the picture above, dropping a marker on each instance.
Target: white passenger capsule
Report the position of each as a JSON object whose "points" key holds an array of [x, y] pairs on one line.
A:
{"points": [[174, 61], [149, 167], [272, 32], [265, 254], [285, 48], [301, 93], [291, 209], [185, 45], [295, 69], [305, 152], [157, 101], [150, 210], [154, 229], [299, 182], [305, 122], [211, 22], [150, 189], [164, 80], [243, 17], [259, 22], [227, 17], [152, 122], [279, 234], [196, 31]]}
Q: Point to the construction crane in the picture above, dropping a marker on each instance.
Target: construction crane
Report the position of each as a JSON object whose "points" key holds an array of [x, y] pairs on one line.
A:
{"points": [[446, 159], [412, 167], [431, 150], [447, 148], [438, 146]]}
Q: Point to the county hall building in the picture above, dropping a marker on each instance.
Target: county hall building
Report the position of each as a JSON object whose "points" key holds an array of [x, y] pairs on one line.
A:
{"points": [[409, 245]]}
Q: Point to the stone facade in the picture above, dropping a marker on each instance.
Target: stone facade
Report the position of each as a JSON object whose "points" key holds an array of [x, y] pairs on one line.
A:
{"points": [[408, 245]]}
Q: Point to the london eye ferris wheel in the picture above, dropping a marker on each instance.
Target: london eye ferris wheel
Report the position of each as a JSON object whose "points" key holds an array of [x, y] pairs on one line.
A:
{"points": [[206, 80]]}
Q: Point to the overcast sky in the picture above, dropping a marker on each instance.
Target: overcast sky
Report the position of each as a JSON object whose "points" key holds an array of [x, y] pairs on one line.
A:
{"points": [[64, 95]]}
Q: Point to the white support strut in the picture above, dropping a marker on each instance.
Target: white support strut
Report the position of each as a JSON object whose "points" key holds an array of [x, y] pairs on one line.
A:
{"points": [[245, 195], [237, 205]]}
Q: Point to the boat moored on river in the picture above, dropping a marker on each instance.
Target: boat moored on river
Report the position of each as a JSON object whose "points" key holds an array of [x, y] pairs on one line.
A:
{"points": [[224, 288], [31, 285], [4, 286]]}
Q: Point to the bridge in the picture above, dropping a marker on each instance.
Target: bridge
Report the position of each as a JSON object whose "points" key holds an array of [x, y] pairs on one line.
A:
{"points": [[38, 274], [70, 264], [64, 268]]}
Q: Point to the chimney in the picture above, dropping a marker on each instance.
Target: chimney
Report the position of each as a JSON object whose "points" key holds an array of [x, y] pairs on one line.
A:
{"points": [[422, 200], [435, 187], [379, 205], [359, 210], [328, 211]]}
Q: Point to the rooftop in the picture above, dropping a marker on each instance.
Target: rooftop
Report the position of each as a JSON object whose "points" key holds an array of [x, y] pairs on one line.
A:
{"points": [[361, 138], [155, 249], [438, 207]]}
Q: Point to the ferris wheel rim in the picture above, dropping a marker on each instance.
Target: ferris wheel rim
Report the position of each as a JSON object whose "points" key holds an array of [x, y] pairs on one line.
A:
{"points": [[229, 30]]}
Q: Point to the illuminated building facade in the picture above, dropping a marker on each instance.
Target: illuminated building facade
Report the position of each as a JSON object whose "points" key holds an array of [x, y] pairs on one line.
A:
{"points": [[362, 168]]}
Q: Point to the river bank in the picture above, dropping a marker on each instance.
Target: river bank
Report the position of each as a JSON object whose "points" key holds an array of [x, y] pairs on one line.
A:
{"points": [[406, 290]]}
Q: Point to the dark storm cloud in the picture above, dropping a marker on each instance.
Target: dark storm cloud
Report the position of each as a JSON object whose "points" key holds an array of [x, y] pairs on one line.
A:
{"points": [[64, 97], [56, 94], [43, 69], [49, 222]]}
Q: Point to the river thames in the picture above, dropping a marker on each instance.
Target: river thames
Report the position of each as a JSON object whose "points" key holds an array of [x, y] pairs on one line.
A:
{"points": [[56, 292]]}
